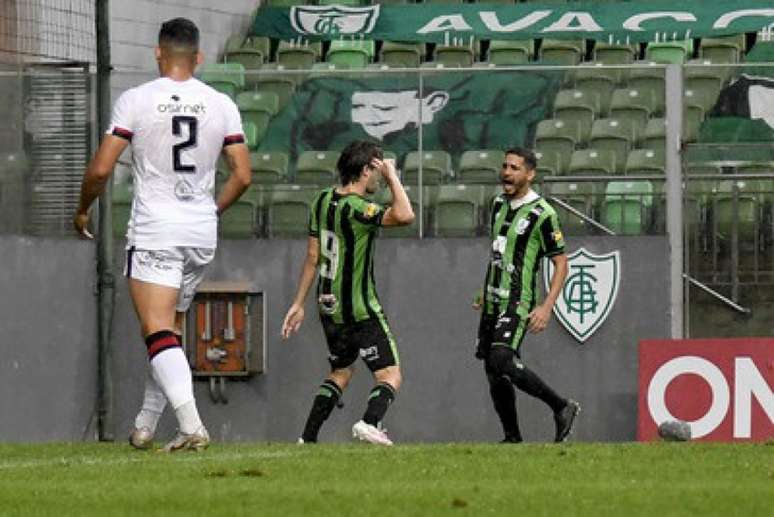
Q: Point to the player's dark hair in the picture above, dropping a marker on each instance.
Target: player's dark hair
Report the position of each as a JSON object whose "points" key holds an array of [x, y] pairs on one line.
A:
{"points": [[354, 157], [530, 160], [179, 35]]}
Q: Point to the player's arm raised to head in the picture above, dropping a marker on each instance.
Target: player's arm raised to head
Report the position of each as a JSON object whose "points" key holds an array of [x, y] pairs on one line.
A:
{"points": [[238, 160], [400, 213], [96, 176]]}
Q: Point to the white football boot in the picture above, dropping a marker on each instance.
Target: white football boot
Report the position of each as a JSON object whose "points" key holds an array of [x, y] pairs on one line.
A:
{"points": [[371, 434], [141, 438]]}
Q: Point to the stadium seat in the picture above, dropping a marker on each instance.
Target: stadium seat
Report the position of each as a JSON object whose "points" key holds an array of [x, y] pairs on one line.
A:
{"points": [[747, 210], [597, 79], [650, 79], [258, 108], [614, 54], [722, 50], [655, 135], [351, 53], [632, 105], [228, 78], [578, 195], [579, 107], [676, 52], [288, 210], [627, 207], [703, 78], [551, 162], [562, 52], [317, 167], [645, 161], [251, 134], [592, 161], [617, 136], [436, 167], [269, 167], [510, 52], [462, 55], [401, 55], [272, 79], [240, 220], [233, 42], [457, 210], [558, 136], [123, 193], [480, 166], [298, 55], [252, 52], [693, 115]]}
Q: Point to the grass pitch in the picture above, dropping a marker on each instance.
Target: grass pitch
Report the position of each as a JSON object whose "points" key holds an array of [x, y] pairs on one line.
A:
{"points": [[340, 480]]}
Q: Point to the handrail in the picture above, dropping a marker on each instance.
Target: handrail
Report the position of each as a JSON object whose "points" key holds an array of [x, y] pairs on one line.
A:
{"points": [[717, 295]]}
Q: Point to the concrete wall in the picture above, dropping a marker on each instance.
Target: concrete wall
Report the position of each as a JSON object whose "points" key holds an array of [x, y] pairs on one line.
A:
{"points": [[48, 344]]}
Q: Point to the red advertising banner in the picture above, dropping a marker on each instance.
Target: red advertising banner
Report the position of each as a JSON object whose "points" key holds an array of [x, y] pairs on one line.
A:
{"points": [[723, 388]]}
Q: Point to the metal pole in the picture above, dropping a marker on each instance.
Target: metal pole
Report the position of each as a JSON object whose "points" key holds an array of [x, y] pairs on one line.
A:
{"points": [[674, 204], [106, 279]]}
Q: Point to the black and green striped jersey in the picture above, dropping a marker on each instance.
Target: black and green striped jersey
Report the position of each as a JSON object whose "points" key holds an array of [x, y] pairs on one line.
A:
{"points": [[523, 232], [346, 226]]}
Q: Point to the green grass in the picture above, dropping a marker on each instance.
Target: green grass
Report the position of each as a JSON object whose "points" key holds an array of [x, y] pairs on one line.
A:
{"points": [[341, 480]]}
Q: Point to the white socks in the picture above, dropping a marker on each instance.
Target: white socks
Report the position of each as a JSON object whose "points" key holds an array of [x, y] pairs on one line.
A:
{"points": [[173, 374], [153, 405]]}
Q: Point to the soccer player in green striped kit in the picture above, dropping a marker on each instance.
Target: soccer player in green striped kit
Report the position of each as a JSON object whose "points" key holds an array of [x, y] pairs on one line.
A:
{"points": [[524, 229], [343, 226]]}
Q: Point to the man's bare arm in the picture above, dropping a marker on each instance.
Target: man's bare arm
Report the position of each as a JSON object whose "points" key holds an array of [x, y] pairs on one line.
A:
{"points": [[238, 159]]}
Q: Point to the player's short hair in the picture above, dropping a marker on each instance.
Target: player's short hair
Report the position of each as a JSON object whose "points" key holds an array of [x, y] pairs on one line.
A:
{"points": [[530, 160], [354, 157], [179, 35]]}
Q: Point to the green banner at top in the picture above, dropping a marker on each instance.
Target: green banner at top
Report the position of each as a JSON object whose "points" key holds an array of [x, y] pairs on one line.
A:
{"points": [[618, 22]]}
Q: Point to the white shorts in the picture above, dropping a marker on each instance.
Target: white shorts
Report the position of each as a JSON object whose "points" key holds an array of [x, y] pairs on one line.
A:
{"points": [[180, 268]]}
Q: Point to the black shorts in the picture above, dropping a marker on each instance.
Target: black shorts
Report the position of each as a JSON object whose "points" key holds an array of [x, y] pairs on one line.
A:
{"points": [[507, 329], [370, 339]]}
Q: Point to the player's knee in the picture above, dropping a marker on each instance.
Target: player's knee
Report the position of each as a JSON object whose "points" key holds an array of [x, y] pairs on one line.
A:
{"points": [[500, 361], [390, 375], [341, 377]]}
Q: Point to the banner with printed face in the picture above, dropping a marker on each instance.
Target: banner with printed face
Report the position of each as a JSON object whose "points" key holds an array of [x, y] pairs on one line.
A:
{"points": [[622, 22], [723, 388]]}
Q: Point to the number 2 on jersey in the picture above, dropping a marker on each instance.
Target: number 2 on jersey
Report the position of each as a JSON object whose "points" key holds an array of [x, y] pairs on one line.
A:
{"points": [[330, 250], [177, 149]]}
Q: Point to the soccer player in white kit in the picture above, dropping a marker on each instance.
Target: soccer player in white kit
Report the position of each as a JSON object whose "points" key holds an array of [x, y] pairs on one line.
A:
{"points": [[177, 127]]}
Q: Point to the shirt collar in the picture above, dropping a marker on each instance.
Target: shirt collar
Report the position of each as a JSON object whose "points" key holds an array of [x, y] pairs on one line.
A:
{"points": [[529, 197]]}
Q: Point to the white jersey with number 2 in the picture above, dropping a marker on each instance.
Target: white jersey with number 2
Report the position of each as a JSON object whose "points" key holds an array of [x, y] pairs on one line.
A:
{"points": [[177, 130]]}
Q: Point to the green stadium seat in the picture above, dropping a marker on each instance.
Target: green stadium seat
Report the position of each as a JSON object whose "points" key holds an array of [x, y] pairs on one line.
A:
{"points": [[555, 135], [251, 134], [693, 115], [645, 161], [510, 52], [258, 108], [317, 167], [579, 107], [727, 49], [351, 53], [269, 167], [434, 65], [462, 55], [650, 79], [480, 166], [457, 211], [614, 135], [551, 162], [747, 214], [436, 167], [592, 161], [233, 43], [614, 54], [655, 135], [401, 55], [228, 78], [562, 52], [272, 79], [632, 105], [581, 196], [599, 80], [677, 52], [251, 53], [123, 193], [706, 79], [298, 55], [288, 210], [239, 221], [628, 207]]}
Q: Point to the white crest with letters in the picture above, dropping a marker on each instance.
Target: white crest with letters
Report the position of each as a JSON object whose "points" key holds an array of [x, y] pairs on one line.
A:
{"points": [[333, 20], [589, 292]]}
